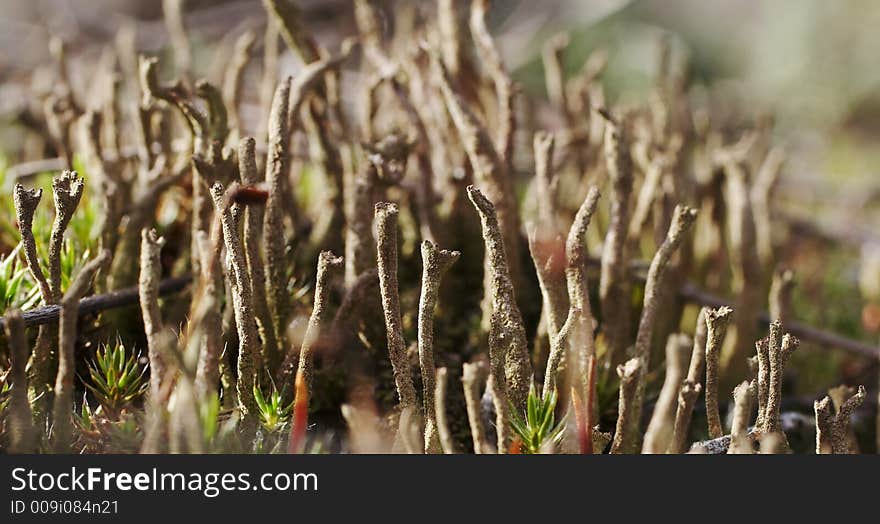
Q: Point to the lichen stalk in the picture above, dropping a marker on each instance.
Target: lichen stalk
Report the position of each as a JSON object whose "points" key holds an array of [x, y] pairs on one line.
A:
{"points": [[762, 350], [148, 293], [435, 263], [386, 246], [761, 194], [67, 190], [683, 219], [613, 281], [832, 429], [22, 438], [577, 332], [743, 406], [253, 236], [273, 225], [576, 254], [779, 355], [629, 381], [497, 384], [687, 397], [62, 406], [234, 75], [685, 410], [662, 424], [505, 90], [328, 264], [745, 264], [207, 317], [781, 288], [508, 328], [488, 166], [26, 202], [439, 398], [249, 346], [293, 29], [473, 375], [359, 244], [716, 324]]}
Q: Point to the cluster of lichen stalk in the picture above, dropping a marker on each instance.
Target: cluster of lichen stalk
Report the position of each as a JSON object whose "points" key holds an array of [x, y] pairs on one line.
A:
{"points": [[432, 151]]}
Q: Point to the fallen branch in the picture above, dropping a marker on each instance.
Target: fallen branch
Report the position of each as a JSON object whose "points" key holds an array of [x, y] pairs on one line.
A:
{"points": [[689, 292], [97, 303]]}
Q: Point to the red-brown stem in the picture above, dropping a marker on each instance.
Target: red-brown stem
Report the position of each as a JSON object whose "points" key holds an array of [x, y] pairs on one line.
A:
{"points": [[584, 413], [581, 422], [515, 447], [591, 400], [300, 415]]}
